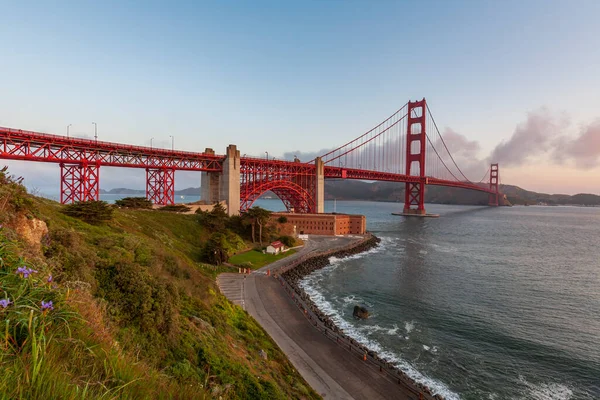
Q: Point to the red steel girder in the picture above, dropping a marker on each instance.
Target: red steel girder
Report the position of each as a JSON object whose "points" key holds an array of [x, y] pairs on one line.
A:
{"points": [[292, 182], [79, 182], [31, 146], [160, 185]]}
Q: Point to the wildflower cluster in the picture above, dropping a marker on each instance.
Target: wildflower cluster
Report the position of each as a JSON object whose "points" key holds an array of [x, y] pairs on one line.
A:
{"points": [[4, 303], [25, 271]]}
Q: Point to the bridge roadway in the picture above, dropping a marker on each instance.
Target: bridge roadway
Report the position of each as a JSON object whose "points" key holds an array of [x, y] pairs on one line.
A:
{"points": [[329, 369]]}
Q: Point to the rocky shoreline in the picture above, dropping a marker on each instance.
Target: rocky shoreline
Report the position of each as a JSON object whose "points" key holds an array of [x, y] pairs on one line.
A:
{"points": [[294, 275]]}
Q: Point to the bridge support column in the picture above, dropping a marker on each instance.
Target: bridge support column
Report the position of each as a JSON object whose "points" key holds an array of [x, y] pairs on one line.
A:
{"points": [[319, 186], [494, 174], [160, 185], [79, 182], [414, 196], [209, 183], [229, 184]]}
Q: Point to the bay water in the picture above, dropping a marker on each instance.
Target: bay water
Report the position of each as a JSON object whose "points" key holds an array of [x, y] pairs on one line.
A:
{"points": [[481, 303]]}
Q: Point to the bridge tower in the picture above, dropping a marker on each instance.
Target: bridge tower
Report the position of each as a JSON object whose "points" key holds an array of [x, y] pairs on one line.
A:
{"points": [[494, 174], [229, 184], [414, 196], [225, 185], [160, 185], [209, 186], [79, 182]]}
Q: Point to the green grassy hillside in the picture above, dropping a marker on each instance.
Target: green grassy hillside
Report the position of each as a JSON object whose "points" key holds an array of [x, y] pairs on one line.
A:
{"points": [[135, 314]]}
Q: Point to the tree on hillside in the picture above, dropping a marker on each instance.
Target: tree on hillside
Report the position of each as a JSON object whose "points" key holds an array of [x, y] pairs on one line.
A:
{"points": [[259, 216], [134, 202], [216, 219], [215, 250], [93, 212]]}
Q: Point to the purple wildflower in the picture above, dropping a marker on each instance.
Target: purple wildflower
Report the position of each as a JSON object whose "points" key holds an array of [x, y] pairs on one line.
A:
{"points": [[50, 278], [4, 303], [47, 305], [25, 271]]}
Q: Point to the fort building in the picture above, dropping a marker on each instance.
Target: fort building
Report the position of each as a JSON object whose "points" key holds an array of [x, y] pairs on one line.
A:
{"points": [[325, 224]]}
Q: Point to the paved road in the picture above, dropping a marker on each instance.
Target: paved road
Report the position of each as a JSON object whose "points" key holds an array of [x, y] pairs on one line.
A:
{"points": [[231, 284], [329, 369]]}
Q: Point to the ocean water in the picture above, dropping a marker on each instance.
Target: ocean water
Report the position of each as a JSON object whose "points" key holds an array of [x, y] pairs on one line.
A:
{"points": [[481, 303]]}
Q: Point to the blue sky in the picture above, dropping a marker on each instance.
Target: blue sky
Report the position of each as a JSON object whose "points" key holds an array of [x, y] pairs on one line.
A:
{"points": [[289, 77]]}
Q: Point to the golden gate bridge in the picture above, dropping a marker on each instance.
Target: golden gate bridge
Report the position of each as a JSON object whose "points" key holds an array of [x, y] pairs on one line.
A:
{"points": [[407, 147]]}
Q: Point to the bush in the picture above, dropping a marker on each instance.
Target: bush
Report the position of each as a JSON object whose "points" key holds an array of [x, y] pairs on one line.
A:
{"points": [[92, 212], [13, 194], [288, 241], [134, 202], [282, 220], [137, 298], [175, 208]]}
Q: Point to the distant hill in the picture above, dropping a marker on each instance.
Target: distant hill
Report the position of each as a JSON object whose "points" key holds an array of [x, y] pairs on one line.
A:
{"points": [[191, 191], [393, 191]]}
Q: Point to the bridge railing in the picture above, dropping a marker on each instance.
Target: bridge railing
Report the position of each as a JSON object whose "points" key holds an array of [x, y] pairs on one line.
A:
{"points": [[108, 146]]}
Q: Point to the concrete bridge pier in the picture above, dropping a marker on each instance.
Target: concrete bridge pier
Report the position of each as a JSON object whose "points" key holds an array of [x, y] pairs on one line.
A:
{"points": [[209, 183], [223, 186], [319, 186]]}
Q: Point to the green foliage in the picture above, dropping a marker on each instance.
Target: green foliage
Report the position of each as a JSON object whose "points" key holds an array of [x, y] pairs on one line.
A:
{"points": [[215, 220], [92, 212], [134, 202], [176, 208], [258, 217], [220, 246], [137, 299], [288, 241], [142, 318], [282, 219], [13, 195]]}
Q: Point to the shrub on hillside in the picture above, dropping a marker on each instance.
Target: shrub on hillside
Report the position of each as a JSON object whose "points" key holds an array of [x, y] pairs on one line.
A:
{"points": [[134, 202], [216, 219], [288, 241], [13, 193], [175, 208], [93, 212], [137, 298], [221, 246], [282, 220]]}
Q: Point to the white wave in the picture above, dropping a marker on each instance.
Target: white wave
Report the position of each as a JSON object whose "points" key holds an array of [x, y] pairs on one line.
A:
{"points": [[383, 245], [443, 249], [406, 337], [360, 334], [369, 329], [434, 349], [393, 330], [422, 251], [409, 326], [546, 391], [426, 347]]}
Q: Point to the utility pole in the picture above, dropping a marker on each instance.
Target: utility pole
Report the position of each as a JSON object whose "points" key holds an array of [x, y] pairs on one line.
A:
{"points": [[95, 131]]}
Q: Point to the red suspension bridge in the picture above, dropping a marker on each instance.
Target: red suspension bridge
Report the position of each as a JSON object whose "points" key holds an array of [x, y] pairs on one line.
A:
{"points": [[407, 147]]}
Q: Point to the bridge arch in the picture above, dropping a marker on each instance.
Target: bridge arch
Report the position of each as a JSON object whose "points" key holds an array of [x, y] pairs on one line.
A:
{"points": [[295, 197]]}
